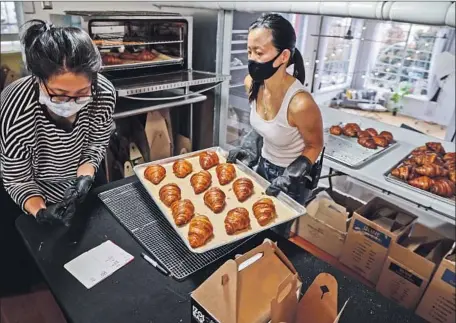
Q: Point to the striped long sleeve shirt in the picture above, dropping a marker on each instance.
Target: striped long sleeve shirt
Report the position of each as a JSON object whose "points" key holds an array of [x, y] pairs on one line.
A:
{"points": [[39, 158]]}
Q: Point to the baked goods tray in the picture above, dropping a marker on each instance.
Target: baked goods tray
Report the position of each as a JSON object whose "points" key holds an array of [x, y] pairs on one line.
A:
{"points": [[287, 209], [397, 181], [347, 151]]}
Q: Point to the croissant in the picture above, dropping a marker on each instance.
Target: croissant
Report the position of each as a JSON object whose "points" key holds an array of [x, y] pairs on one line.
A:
{"points": [[208, 159], [264, 211], [427, 159], [201, 181], [182, 167], [388, 135], [404, 172], [363, 134], [243, 188], [183, 211], [409, 162], [380, 141], [155, 173], [237, 219], [431, 170], [146, 55], [199, 231], [225, 173], [335, 130], [443, 187], [452, 176], [367, 142], [372, 131], [450, 165], [420, 150], [169, 194], [349, 131], [436, 146], [214, 198], [354, 126], [449, 157], [422, 182]]}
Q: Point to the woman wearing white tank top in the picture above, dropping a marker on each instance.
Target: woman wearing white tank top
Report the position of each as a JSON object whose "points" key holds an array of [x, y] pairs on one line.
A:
{"points": [[287, 131]]}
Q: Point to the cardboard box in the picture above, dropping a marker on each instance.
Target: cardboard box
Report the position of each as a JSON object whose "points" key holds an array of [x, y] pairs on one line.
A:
{"points": [[325, 225], [372, 229], [410, 264], [318, 305], [241, 290], [438, 304]]}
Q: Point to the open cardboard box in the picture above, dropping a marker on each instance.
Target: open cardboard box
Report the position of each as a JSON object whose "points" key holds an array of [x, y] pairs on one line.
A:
{"points": [[438, 304], [372, 229], [262, 286], [410, 264]]}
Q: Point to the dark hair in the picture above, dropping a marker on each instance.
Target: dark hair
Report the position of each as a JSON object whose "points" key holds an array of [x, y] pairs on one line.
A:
{"points": [[283, 37], [53, 50]]}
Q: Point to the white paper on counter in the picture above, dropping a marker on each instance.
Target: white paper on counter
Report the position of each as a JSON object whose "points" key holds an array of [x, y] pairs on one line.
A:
{"points": [[94, 265]]}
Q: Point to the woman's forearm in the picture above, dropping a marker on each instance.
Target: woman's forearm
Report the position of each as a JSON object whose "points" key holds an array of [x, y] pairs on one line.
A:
{"points": [[312, 153], [86, 169], [33, 204]]}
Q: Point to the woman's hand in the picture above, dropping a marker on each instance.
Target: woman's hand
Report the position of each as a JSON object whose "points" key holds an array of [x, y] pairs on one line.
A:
{"points": [[33, 204]]}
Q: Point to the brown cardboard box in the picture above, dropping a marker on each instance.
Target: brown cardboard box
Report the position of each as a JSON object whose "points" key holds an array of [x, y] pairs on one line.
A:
{"points": [[158, 137], [438, 304], [410, 264], [241, 290], [318, 305], [372, 229], [324, 225]]}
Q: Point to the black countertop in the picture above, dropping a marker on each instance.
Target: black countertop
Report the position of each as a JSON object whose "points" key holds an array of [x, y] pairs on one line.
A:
{"points": [[139, 293]]}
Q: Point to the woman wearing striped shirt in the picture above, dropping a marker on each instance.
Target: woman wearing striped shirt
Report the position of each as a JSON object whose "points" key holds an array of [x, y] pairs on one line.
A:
{"points": [[55, 125]]}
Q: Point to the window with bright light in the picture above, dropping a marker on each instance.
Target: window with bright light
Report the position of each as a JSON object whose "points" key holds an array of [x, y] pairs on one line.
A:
{"points": [[403, 55], [337, 52], [9, 21]]}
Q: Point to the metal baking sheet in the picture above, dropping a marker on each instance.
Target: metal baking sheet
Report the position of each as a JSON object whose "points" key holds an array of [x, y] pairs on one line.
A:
{"points": [[397, 181], [347, 151], [287, 209]]}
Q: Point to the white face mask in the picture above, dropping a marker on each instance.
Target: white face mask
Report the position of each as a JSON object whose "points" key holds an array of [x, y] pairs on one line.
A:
{"points": [[64, 109]]}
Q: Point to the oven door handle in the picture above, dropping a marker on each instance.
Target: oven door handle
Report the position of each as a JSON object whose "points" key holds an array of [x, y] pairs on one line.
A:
{"points": [[178, 96]]}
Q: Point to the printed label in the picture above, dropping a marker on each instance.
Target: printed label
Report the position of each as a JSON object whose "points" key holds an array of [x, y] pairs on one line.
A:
{"points": [[374, 235], [449, 277], [200, 315], [415, 280]]}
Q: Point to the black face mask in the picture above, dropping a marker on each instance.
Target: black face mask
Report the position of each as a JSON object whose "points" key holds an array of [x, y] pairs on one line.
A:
{"points": [[262, 71]]}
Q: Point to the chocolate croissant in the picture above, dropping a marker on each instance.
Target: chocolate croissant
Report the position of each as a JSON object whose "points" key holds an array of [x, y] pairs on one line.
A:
{"points": [[372, 131], [431, 170], [200, 230], [169, 194], [237, 219], [214, 198], [335, 130], [243, 188], [436, 147], [422, 182], [449, 157], [155, 173], [208, 159], [264, 211], [182, 167], [201, 181], [404, 172], [349, 131], [367, 142], [183, 211], [225, 173], [380, 141], [388, 135], [363, 134], [443, 187]]}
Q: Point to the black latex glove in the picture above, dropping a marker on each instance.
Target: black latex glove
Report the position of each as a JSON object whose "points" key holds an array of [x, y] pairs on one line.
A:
{"points": [[79, 190], [59, 213], [293, 174], [249, 152]]}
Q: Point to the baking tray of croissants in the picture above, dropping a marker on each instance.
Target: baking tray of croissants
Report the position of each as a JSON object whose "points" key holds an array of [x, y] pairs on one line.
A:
{"points": [[353, 146], [428, 169], [211, 203]]}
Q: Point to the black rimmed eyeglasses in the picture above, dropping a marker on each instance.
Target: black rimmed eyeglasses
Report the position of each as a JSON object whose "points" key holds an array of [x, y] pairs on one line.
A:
{"points": [[58, 98]]}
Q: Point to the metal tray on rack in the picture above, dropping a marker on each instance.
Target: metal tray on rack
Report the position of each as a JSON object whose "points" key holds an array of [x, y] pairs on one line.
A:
{"points": [[397, 181], [347, 151], [287, 209]]}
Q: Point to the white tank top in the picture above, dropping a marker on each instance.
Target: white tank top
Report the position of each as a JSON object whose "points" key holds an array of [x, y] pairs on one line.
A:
{"points": [[282, 143]]}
